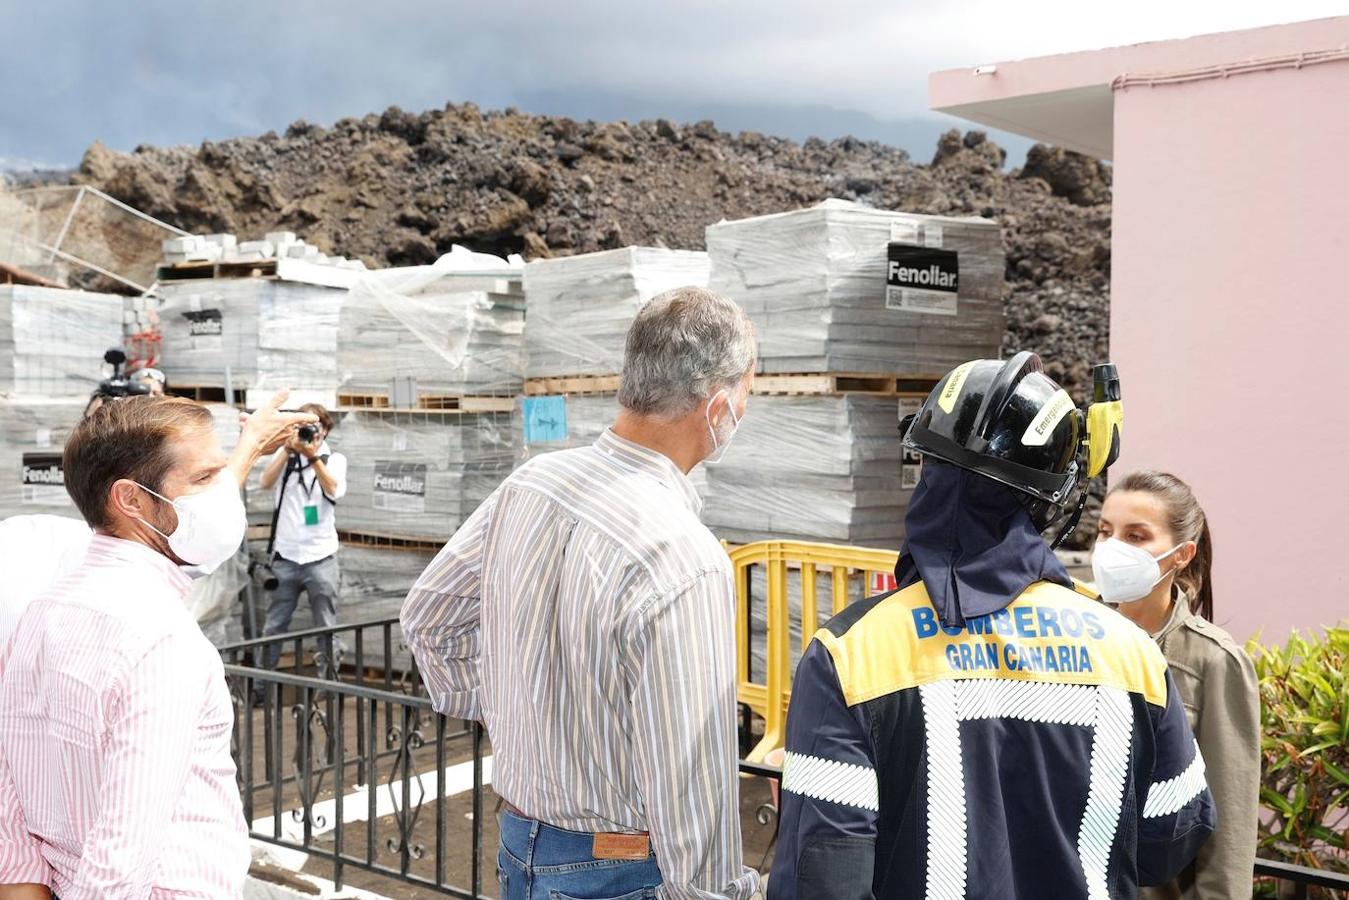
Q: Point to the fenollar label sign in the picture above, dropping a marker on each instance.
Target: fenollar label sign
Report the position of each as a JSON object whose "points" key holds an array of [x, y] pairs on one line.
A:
{"points": [[204, 323], [922, 280], [44, 480], [399, 486]]}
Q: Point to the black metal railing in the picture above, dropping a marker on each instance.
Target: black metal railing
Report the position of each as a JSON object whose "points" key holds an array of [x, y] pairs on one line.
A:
{"points": [[362, 714], [1296, 882], [300, 732]]}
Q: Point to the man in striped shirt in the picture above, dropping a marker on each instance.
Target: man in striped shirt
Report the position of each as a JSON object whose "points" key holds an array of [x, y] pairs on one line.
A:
{"points": [[587, 617], [116, 780]]}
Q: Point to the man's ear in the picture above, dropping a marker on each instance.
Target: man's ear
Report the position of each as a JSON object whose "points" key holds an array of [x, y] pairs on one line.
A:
{"points": [[128, 500], [717, 405]]}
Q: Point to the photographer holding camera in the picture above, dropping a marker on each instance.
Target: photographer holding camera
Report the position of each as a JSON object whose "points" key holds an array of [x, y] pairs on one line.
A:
{"points": [[309, 478]]}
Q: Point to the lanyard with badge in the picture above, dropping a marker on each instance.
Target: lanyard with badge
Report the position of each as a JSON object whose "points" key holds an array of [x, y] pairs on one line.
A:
{"points": [[311, 509]]}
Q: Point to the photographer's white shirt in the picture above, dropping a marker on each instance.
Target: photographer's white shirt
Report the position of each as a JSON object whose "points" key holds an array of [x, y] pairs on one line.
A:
{"points": [[306, 527]]}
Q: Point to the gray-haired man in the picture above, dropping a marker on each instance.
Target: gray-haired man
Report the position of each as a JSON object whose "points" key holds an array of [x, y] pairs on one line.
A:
{"points": [[587, 617]]}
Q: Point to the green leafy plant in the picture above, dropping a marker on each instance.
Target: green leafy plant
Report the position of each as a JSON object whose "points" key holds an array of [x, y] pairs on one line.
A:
{"points": [[1304, 711]]}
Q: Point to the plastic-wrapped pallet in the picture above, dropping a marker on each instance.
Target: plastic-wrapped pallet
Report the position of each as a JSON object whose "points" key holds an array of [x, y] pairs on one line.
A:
{"points": [[818, 468], [842, 287], [213, 599], [824, 598], [297, 336], [456, 327], [375, 582], [33, 435], [52, 340], [419, 474], [545, 424], [270, 334], [208, 326], [580, 307]]}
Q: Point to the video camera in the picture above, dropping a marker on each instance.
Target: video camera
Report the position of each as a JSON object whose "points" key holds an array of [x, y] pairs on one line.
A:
{"points": [[119, 385]]}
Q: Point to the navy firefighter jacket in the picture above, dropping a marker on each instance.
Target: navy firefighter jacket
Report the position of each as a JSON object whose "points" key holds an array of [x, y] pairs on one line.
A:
{"points": [[1037, 751]]}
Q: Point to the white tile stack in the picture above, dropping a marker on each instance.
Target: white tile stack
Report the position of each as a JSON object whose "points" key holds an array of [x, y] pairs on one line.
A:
{"points": [[419, 475], [269, 333], [140, 316], [580, 307], [52, 340], [821, 468], [456, 328], [33, 434], [815, 283], [827, 467], [227, 248]]}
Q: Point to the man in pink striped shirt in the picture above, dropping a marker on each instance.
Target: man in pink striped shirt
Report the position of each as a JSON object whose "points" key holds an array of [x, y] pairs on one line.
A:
{"points": [[116, 779]]}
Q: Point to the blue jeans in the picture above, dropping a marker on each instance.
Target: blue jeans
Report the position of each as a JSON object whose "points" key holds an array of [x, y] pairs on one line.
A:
{"points": [[320, 580], [540, 862]]}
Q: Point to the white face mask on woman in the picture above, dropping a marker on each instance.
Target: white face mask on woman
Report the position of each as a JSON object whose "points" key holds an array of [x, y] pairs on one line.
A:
{"points": [[1125, 573], [211, 523]]}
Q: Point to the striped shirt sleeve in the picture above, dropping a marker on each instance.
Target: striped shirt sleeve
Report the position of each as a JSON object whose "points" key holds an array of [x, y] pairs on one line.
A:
{"points": [[21, 860], [441, 619], [147, 758], [685, 738]]}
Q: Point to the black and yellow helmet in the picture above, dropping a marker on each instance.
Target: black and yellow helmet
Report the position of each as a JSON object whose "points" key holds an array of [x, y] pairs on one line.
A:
{"points": [[1008, 421]]}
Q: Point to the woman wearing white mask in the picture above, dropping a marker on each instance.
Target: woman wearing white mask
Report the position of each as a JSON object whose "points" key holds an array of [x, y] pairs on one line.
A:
{"points": [[1152, 561]]}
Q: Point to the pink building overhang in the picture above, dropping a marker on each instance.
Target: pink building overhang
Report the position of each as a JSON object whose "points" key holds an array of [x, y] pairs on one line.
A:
{"points": [[1068, 100]]}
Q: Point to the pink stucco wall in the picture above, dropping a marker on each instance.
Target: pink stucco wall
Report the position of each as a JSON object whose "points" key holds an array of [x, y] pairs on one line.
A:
{"points": [[1230, 325]]}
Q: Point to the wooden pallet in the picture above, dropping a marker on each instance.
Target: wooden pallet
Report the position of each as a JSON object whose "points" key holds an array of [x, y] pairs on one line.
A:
{"points": [[391, 541], [263, 268], [205, 394], [830, 383], [579, 384], [781, 385], [428, 403]]}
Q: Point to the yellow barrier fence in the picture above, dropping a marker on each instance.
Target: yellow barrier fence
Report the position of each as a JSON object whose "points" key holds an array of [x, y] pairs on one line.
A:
{"points": [[767, 693]]}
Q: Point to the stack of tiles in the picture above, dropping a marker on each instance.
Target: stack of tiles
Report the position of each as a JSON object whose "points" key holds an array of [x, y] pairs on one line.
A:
{"points": [[52, 340], [841, 287], [267, 333], [33, 433], [453, 333], [580, 307], [824, 468], [419, 474]]}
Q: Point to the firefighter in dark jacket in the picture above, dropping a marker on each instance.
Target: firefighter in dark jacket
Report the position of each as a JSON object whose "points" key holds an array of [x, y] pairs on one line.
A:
{"points": [[988, 729]]}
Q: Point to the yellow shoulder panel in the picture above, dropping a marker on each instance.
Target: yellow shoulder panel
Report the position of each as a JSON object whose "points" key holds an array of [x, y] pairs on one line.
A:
{"points": [[1049, 633], [1086, 590]]}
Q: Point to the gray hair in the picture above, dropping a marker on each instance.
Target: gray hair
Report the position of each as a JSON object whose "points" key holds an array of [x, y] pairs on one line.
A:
{"points": [[683, 347]]}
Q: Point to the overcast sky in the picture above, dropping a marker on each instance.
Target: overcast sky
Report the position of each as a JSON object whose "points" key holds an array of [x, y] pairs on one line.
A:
{"points": [[178, 71]]}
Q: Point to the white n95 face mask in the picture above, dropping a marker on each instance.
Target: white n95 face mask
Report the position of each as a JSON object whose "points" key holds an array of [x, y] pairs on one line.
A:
{"points": [[211, 523], [1125, 573], [719, 446]]}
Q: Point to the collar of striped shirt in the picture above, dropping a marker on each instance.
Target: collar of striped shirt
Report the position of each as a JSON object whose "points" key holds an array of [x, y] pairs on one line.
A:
{"points": [[653, 462], [105, 549]]}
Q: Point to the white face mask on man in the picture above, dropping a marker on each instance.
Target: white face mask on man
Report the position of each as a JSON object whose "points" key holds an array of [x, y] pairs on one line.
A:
{"points": [[1125, 573], [720, 443], [211, 523]]}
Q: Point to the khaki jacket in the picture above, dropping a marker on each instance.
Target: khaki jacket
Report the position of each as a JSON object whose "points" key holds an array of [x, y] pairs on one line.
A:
{"points": [[1217, 683]]}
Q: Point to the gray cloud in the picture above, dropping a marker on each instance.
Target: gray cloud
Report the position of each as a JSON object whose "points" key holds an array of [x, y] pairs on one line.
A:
{"points": [[160, 72]]}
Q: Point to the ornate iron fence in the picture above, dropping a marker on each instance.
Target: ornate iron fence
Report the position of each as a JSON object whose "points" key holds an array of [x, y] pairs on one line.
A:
{"points": [[301, 735]]}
